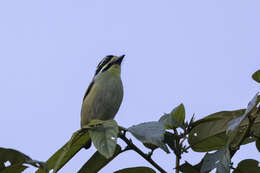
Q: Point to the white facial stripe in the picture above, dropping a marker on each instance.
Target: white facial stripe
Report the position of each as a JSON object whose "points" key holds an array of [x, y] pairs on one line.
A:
{"points": [[104, 63]]}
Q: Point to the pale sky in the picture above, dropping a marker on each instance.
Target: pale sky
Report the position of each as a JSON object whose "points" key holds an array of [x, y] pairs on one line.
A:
{"points": [[200, 53]]}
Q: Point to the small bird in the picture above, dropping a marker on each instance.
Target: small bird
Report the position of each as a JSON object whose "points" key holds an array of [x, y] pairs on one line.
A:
{"points": [[105, 93]]}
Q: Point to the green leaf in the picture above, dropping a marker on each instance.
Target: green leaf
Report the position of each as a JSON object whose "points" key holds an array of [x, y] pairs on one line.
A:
{"points": [[188, 168], [178, 113], [256, 76], [104, 137], [219, 159], [247, 166], [64, 154], [174, 119], [209, 133], [150, 132], [257, 144], [17, 160], [136, 170], [235, 133], [98, 161], [14, 168], [169, 122], [234, 123]]}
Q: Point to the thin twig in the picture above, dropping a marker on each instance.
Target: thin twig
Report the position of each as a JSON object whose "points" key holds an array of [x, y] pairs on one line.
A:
{"points": [[186, 148], [177, 164], [183, 139], [177, 161], [136, 149]]}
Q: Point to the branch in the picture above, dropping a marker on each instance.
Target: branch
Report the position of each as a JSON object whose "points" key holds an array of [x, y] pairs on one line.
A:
{"points": [[136, 149], [177, 161], [177, 164]]}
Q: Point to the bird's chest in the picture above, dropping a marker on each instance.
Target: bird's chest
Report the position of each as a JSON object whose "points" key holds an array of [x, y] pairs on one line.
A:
{"points": [[107, 99], [109, 90]]}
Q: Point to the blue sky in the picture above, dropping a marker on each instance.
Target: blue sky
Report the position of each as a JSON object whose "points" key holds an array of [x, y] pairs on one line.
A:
{"points": [[200, 53]]}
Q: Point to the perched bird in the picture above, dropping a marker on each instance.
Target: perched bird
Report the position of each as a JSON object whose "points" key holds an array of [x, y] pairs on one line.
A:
{"points": [[105, 93]]}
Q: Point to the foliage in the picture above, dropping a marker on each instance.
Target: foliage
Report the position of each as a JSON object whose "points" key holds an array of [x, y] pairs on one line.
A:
{"points": [[219, 135], [17, 161], [136, 169], [104, 137], [247, 166], [150, 133], [256, 76], [219, 159]]}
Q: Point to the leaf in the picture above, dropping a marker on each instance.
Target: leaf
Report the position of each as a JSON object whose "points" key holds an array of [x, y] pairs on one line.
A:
{"points": [[169, 122], [188, 168], [257, 144], [256, 76], [17, 160], [98, 161], [174, 119], [209, 133], [219, 159], [136, 170], [247, 166], [233, 124], [64, 154], [14, 168], [235, 133], [104, 137], [150, 132], [178, 113]]}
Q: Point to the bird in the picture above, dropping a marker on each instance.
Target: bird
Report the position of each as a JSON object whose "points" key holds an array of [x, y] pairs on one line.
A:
{"points": [[104, 94]]}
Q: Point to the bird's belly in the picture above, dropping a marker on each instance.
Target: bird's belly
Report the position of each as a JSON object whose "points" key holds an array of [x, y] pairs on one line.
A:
{"points": [[103, 102]]}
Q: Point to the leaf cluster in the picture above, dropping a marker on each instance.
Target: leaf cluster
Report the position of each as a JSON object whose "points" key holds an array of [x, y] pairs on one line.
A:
{"points": [[219, 135]]}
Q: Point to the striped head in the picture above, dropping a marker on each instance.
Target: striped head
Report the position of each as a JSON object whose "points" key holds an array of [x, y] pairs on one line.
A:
{"points": [[110, 63]]}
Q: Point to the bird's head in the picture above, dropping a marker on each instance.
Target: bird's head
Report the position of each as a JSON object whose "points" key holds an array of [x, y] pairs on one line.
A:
{"points": [[110, 63]]}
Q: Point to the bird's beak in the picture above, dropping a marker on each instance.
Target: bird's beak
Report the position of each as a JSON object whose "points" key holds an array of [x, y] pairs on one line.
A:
{"points": [[119, 60]]}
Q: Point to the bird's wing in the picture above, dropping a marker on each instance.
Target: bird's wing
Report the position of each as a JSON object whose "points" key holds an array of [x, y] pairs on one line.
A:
{"points": [[88, 90]]}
